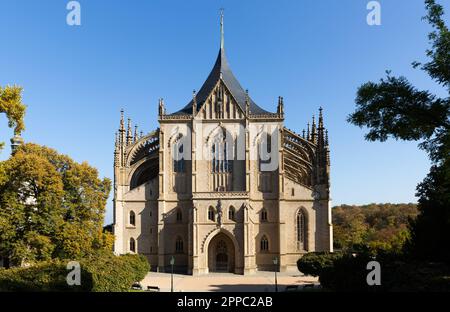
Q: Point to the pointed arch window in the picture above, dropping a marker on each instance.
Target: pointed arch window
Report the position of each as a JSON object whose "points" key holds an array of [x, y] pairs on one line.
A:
{"points": [[179, 215], [179, 245], [220, 154], [132, 219], [264, 215], [301, 230], [265, 150], [132, 245], [231, 214], [211, 214], [264, 246], [178, 157]]}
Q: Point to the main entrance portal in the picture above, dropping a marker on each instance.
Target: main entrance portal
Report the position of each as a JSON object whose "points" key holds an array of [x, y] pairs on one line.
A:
{"points": [[221, 254]]}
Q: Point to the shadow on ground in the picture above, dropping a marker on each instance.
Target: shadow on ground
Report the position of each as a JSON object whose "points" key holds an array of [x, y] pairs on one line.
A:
{"points": [[246, 288]]}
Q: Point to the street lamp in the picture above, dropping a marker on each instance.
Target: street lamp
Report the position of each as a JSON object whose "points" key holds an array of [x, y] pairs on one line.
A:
{"points": [[275, 261], [172, 262]]}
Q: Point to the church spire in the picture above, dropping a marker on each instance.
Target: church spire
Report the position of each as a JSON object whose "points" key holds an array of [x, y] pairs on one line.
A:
{"points": [[280, 108], [122, 126], [320, 118], [321, 129], [222, 71], [194, 103], [308, 133], [135, 138], [120, 142], [122, 132], [116, 150], [129, 133], [222, 40], [314, 130]]}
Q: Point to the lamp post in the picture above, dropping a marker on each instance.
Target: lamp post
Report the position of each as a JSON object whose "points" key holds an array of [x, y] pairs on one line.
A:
{"points": [[275, 261], [172, 262]]}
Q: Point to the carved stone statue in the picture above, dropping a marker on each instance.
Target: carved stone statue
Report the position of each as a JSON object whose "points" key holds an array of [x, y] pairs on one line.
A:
{"points": [[219, 212]]}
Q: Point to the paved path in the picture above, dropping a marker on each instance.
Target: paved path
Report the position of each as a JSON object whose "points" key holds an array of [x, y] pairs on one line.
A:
{"points": [[226, 282]]}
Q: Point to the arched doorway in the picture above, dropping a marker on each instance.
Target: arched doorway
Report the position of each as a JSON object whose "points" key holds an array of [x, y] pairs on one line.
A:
{"points": [[221, 254]]}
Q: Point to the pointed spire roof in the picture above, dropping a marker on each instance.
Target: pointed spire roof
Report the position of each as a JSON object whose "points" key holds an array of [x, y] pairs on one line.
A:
{"points": [[222, 71], [122, 123], [222, 37]]}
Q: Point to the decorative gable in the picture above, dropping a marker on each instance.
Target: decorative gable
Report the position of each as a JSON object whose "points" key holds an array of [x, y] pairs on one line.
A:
{"points": [[220, 104]]}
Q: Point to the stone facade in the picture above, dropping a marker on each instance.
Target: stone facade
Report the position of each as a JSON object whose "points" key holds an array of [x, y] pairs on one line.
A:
{"points": [[222, 185]]}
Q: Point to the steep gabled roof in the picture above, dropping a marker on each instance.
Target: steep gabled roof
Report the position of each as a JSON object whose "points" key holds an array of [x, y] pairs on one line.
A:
{"points": [[222, 71]]}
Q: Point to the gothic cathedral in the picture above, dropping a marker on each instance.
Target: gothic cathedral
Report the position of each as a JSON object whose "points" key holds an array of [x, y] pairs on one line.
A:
{"points": [[222, 185]]}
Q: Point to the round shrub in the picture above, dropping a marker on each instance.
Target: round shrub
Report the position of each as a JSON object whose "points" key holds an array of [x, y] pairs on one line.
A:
{"points": [[347, 273], [314, 263]]}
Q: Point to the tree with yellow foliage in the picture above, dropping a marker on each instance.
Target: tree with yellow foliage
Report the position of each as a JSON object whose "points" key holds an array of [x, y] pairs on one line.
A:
{"points": [[11, 104], [50, 207]]}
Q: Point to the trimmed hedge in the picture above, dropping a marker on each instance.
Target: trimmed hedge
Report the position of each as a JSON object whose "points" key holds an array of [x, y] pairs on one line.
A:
{"points": [[45, 276], [314, 263], [115, 273], [416, 276], [100, 272], [349, 273]]}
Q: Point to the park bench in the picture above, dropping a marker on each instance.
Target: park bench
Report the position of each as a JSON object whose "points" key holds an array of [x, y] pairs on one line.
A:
{"points": [[153, 288]]}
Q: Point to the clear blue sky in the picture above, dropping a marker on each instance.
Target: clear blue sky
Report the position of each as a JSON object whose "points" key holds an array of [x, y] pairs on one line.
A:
{"points": [[129, 53]]}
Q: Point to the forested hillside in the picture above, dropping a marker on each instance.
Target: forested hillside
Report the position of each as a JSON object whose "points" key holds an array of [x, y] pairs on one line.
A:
{"points": [[376, 225]]}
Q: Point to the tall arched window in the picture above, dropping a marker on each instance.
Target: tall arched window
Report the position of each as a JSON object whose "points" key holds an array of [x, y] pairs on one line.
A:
{"points": [[132, 218], [179, 245], [264, 243], [264, 215], [179, 215], [132, 245], [220, 154], [231, 213], [178, 157], [301, 230], [265, 150], [211, 214]]}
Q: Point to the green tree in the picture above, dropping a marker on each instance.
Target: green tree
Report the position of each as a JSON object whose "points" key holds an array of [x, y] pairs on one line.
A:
{"points": [[11, 104], [393, 107], [349, 227], [379, 226], [50, 206]]}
